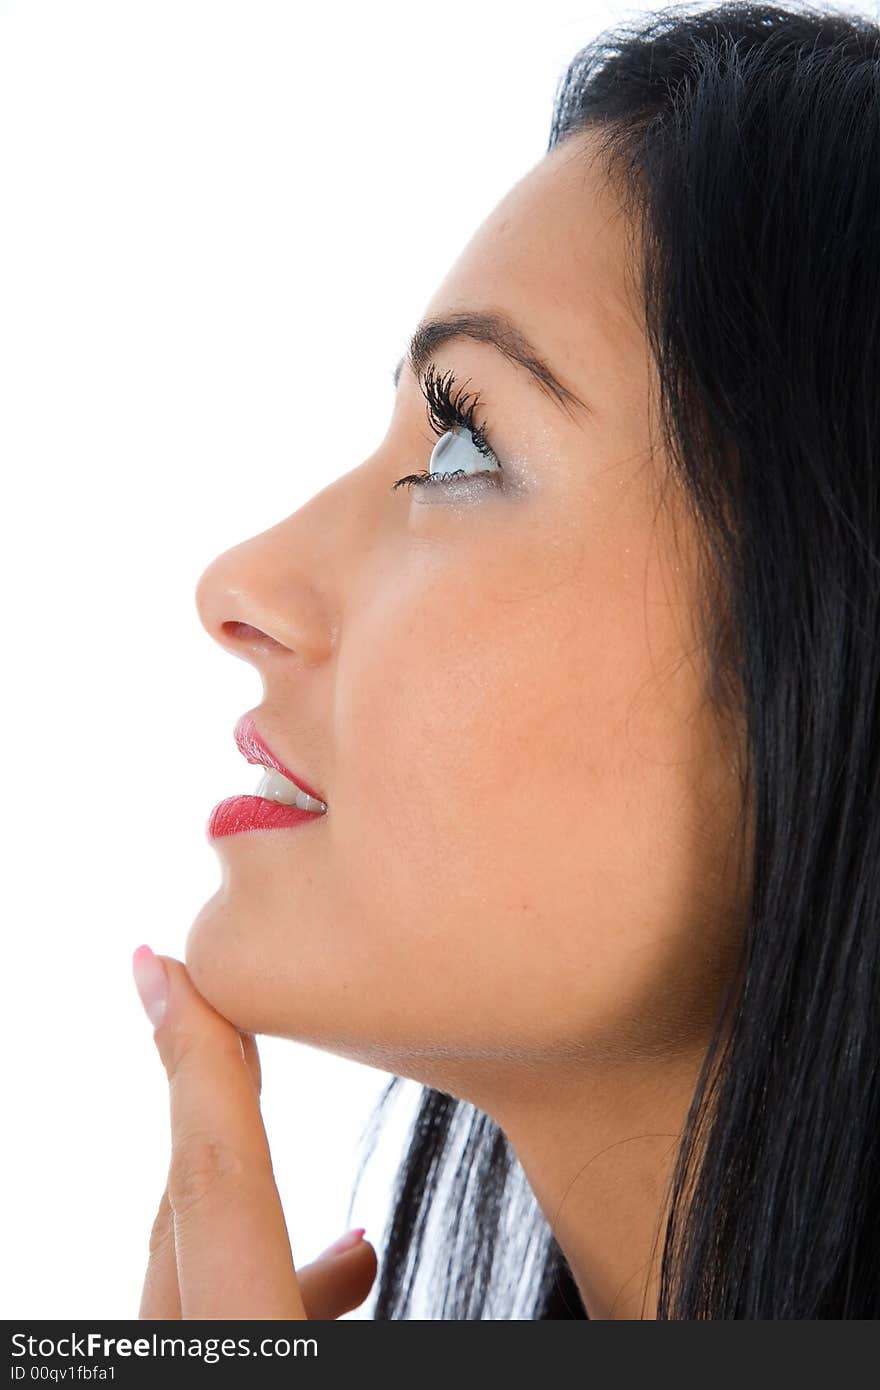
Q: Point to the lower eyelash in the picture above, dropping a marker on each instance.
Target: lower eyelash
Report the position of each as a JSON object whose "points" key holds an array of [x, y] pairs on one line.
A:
{"points": [[431, 479]]}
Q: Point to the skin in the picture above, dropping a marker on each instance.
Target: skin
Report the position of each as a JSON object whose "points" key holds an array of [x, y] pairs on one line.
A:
{"points": [[525, 889]]}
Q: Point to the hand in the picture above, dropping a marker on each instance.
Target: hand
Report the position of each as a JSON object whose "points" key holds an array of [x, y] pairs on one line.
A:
{"points": [[219, 1246]]}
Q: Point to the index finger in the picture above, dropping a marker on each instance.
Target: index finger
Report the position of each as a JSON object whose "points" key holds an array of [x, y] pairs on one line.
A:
{"points": [[233, 1251]]}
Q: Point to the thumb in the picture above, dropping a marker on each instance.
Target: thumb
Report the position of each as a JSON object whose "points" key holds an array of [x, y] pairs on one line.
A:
{"points": [[333, 1284]]}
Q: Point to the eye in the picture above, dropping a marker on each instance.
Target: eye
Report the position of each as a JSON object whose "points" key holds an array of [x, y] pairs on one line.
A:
{"points": [[461, 439], [455, 451]]}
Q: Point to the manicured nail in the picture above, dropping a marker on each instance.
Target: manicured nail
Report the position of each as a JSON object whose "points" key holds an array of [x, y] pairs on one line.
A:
{"points": [[151, 982], [346, 1242]]}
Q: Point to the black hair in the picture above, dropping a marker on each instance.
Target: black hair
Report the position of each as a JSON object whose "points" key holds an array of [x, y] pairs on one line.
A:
{"points": [[746, 141]]}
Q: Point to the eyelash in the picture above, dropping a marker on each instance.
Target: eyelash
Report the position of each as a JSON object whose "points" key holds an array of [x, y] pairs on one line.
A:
{"points": [[445, 411]]}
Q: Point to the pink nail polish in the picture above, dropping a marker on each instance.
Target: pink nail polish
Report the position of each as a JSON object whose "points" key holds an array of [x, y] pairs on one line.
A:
{"points": [[346, 1242], [152, 983]]}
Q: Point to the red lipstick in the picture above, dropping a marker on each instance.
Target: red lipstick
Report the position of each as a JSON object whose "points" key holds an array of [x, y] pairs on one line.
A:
{"points": [[241, 813]]}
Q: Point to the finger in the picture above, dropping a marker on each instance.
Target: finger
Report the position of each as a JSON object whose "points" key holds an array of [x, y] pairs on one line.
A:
{"points": [[335, 1284], [160, 1297], [233, 1251]]}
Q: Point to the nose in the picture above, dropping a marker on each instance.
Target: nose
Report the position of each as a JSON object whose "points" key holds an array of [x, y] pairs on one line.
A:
{"points": [[259, 600]]}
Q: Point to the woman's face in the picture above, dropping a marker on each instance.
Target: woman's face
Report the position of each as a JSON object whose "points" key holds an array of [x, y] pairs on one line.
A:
{"points": [[529, 852]]}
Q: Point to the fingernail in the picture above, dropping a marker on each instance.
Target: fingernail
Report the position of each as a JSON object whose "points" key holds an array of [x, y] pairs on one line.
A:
{"points": [[152, 983], [346, 1242]]}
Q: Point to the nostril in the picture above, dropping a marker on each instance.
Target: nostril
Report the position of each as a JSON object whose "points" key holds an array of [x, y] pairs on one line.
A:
{"points": [[241, 631], [245, 635]]}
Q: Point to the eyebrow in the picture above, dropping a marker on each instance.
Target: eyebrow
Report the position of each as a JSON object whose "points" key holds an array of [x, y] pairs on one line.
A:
{"points": [[500, 332]]}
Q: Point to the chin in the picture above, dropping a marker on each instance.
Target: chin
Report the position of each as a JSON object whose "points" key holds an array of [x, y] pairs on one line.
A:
{"points": [[215, 956], [242, 975]]}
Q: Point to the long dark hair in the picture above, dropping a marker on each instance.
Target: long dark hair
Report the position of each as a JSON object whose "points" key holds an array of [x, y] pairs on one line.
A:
{"points": [[746, 142]]}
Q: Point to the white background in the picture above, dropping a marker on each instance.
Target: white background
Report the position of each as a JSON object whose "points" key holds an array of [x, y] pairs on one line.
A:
{"points": [[219, 224]]}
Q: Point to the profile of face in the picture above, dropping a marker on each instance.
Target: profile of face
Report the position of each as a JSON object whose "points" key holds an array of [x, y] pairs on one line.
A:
{"points": [[529, 853]]}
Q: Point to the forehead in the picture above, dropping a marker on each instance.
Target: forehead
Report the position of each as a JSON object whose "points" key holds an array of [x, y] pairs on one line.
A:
{"points": [[556, 254]]}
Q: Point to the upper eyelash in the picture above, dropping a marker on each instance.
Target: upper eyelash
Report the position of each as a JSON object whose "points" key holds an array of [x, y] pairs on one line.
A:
{"points": [[445, 411]]}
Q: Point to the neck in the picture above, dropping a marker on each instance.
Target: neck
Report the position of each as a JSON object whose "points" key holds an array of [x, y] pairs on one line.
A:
{"points": [[598, 1153]]}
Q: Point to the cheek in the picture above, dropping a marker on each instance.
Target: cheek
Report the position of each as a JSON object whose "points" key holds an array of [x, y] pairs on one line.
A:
{"points": [[443, 700], [470, 723]]}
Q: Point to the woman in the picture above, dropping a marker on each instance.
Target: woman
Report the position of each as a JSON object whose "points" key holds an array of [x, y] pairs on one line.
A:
{"points": [[583, 664]]}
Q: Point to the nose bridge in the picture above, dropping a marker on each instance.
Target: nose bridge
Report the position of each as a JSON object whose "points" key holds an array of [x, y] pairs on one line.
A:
{"points": [[286, 583]]}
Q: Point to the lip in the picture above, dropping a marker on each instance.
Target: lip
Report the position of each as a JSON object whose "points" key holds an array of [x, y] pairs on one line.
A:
{"points": [[256, 750]]}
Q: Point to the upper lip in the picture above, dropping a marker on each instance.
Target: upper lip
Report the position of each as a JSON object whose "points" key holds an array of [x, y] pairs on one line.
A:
{"points": [[256, 750]]}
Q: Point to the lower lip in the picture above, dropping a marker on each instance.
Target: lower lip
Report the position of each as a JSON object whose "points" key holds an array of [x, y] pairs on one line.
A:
{"points": [[239, 813]]}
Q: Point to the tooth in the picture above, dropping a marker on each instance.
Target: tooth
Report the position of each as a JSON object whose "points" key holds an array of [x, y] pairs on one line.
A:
{"points": [[274, 787]]}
